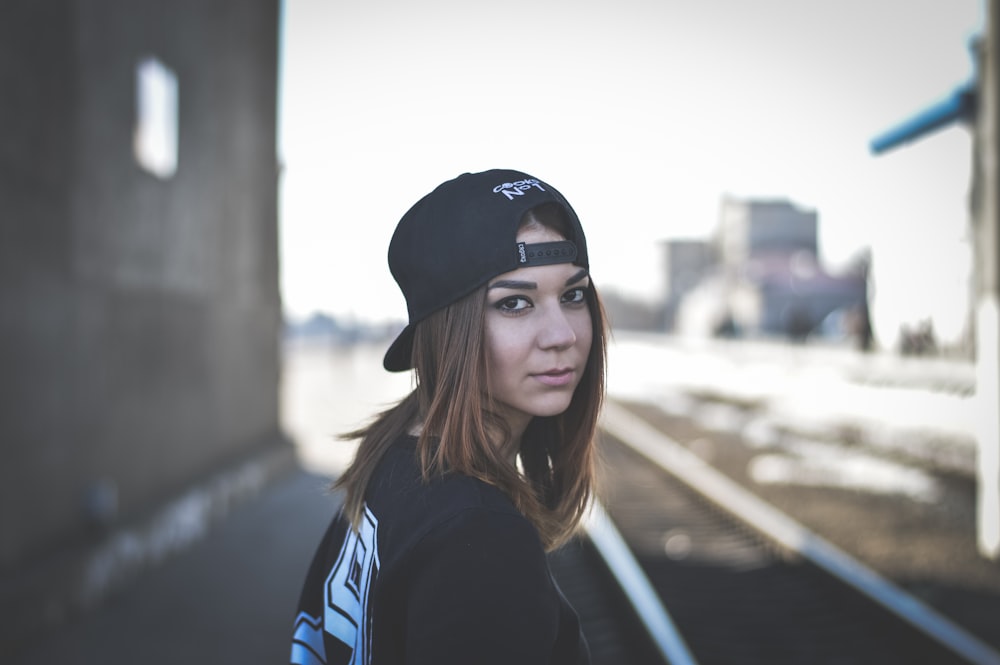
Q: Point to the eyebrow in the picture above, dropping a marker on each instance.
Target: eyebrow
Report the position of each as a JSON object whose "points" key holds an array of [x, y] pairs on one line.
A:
{"points": [[578, 277], [527, 286]]}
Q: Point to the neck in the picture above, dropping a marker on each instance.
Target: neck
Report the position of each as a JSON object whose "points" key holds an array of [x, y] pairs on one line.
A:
{"points": [[517, 424]]}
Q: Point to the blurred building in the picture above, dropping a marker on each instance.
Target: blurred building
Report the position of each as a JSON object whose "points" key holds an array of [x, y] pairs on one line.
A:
{"points": [[753, 232], [767, 279], [139, 303], [686, 263]]}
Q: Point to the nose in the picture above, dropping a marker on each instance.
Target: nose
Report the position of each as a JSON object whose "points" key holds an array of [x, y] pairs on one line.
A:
{"points": [[556, 330]]}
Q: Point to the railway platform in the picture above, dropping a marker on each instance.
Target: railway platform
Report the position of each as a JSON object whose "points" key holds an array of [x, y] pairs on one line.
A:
{"points": [[230, 598]]}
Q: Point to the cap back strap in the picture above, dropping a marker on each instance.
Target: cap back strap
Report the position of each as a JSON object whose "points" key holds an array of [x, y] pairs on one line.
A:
{"points": [[545, 253]]}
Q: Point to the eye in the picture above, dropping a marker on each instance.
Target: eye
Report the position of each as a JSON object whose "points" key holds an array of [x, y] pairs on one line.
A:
{"points": [[575, 296], [513, 304]]}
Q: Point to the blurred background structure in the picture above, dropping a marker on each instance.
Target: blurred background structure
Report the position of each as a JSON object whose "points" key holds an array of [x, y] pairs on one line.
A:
{"points": [[762, 276], [139, 306], [976, 104]]}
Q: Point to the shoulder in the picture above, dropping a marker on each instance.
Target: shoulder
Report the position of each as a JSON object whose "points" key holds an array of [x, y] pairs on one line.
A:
{"points": [[484, 533], [410, 509], [478, 589]]}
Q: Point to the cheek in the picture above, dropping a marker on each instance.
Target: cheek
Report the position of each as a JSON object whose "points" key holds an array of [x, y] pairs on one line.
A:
{"points": [[503, 350], [584, 330]]}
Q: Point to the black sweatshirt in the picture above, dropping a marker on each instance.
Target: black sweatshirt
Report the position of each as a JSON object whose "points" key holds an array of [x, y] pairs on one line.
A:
{"points": [[441, 572]]}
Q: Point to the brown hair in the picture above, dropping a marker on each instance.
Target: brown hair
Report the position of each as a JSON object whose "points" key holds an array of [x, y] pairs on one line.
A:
{"points": [[462, 432]]}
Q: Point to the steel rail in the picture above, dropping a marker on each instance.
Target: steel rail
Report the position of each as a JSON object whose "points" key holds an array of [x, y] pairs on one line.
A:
{"points": [[690, 469], [641, 595]]}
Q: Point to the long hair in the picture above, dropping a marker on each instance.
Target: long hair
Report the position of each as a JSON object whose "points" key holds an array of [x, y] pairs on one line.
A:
{"points": [[462, 431]]}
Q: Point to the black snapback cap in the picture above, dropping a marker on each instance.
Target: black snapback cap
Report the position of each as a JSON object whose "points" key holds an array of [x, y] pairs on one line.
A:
{"points": [[464, 233]]}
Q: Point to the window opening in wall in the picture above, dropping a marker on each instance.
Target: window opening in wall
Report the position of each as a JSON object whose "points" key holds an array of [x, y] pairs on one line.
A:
{"points": [[155, 136]]}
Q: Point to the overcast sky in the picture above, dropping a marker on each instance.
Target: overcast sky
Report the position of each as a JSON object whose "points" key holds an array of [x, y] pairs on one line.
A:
{"points": [[644, 114]]}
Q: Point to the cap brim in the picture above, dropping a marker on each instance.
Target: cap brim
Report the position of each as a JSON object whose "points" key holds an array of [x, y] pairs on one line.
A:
{"points": [[399, 357]]}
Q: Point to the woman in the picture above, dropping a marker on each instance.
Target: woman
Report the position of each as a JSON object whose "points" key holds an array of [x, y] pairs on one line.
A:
{"points": [[457, 492]]}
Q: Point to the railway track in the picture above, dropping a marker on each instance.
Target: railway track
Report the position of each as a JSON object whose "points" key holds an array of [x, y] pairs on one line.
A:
{"points": [[737, 582]]}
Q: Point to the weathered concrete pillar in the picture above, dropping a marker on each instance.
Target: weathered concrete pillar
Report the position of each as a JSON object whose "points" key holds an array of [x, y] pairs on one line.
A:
{"points": [[139, 308], [985, 216]]}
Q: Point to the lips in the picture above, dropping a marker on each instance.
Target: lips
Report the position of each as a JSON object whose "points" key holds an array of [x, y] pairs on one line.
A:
{"points": [[556, 377]]}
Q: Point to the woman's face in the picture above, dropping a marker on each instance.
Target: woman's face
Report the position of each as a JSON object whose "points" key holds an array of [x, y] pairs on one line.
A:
{"points": [[538, 335]]}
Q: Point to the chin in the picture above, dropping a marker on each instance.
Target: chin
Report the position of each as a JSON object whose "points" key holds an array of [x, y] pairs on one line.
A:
{"points": [[550, 407]]}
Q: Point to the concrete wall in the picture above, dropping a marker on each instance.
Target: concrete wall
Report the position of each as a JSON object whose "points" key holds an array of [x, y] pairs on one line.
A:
{"points": [[139, 315]]}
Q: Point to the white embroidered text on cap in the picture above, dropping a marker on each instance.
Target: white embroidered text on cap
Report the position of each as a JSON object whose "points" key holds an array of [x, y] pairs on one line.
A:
{"points": [[512, 189]]}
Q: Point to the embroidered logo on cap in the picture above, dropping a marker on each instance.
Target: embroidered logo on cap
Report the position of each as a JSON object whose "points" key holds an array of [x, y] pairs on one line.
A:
{"points": [[512, 189]]}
